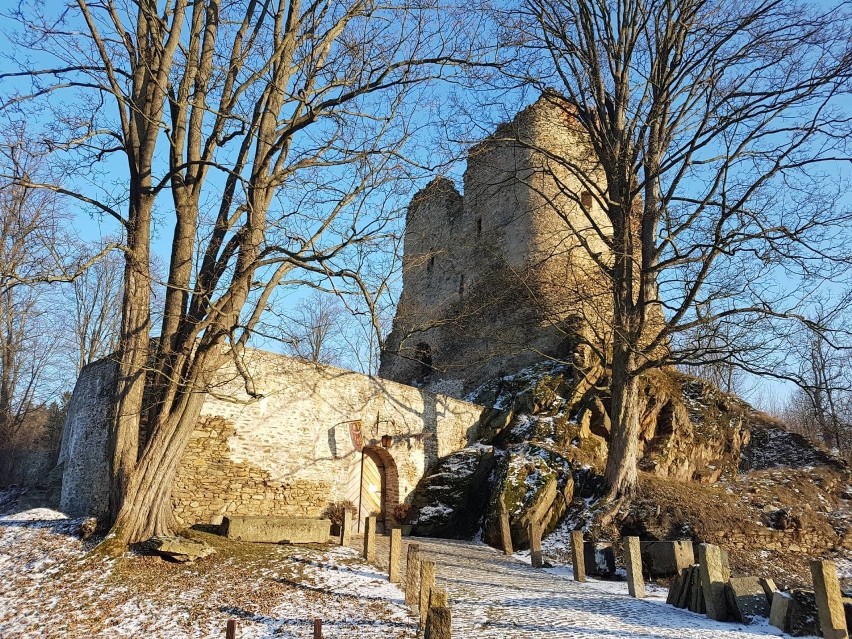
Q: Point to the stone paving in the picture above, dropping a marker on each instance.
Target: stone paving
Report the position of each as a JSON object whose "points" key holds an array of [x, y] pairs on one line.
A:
{"points": [[499, 597]]}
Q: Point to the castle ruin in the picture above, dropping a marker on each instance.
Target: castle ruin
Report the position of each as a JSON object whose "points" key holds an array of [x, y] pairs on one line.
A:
{"points": [[493, 280], [501, 276]]}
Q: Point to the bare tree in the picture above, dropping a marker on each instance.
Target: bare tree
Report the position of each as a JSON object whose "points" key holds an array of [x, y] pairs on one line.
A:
{"points": [[312, 330], [96, 298], [269, 132], [715, 129], [820, 406], [29, 227]]}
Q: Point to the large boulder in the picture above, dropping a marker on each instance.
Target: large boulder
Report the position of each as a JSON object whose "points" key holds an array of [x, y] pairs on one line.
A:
{"points": [[451, 499], [533, 483]]}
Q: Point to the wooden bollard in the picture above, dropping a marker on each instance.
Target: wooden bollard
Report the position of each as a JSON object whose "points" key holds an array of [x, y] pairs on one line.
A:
{"points": [[536, 557], [633, 565], [346, 528], [412, 576], [829, 600], [231, 629], [395, 555], [317, 628], [370, 539], [439, 624], [505, 529], [427, 582], [577, 558]]}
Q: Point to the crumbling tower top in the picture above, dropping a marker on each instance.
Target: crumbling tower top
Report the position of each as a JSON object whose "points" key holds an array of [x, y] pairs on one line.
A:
{"points": [[498, 278]]}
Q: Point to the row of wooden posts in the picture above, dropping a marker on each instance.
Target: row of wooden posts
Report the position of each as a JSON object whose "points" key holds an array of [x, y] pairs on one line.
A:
{"points": [[421, 593]]}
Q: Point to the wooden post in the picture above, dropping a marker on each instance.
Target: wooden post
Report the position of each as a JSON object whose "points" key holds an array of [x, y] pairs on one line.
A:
{"points": [[395, 555], [317, 628], [412, 576], [577, 557], [427, 582], [829, 599], [439, 625], [346, 528], [505, 528], [231, 629], [370, 539], [633, 564], [536, 557]]}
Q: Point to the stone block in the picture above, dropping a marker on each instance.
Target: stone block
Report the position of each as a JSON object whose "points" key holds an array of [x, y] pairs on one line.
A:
{"points": [[847, 609], [577, 556], [633, 565], [778, 609], [536, 557], [277, 530], [599, 559], [713, 579], [697, 602], [769, 589], [395, 556], [427, 582], [438, 598], [748, 599], [829, 601], [346, 528], [666, 558], [505, 530], [439, 624], [369, 538], [674, 591], [795, 612], [412, 576], [685, 586]]}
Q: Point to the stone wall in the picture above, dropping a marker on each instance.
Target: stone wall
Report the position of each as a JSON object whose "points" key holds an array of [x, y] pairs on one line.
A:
{"points": [[501, 276], [83, 451], [291, 452]]}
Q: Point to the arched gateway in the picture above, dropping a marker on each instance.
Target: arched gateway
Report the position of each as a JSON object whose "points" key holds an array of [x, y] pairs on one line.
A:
{"points": [[379, 487]]}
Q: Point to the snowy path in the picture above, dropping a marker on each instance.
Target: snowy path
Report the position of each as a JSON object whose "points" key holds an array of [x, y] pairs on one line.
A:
{"points": [[493, 596]]}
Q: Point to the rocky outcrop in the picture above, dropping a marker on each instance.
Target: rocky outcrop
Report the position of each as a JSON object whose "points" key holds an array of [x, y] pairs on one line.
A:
{"points": [[450, 500], [532, 484]]}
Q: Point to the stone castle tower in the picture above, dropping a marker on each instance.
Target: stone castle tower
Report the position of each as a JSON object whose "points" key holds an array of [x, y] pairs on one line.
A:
{"points": [[502, 276]]}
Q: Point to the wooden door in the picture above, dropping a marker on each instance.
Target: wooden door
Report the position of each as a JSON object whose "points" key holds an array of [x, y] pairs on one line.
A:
{"points": [[372, 489]]}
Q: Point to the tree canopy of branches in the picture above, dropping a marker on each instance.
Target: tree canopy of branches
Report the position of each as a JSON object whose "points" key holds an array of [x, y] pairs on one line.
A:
{"points": [[717, 126], [269, 136], [30, 254], [96, 306]]}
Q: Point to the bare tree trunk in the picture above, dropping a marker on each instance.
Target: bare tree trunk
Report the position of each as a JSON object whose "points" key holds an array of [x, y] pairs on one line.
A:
{"points": [[621, 470], [133, 347], [147, 508]]}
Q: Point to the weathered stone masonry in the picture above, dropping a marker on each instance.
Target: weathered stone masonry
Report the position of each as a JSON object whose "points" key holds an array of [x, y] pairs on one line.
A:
{"points": [[294, 450], [501, 276]]}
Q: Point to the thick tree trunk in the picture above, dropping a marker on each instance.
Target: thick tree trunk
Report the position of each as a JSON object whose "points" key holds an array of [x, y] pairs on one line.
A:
{"points": [[133, 353], [621, 465], [147, 509]]}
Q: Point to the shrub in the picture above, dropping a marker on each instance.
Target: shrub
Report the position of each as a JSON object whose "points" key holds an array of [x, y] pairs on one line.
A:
{"points": [[334, 511], [402, 513]]}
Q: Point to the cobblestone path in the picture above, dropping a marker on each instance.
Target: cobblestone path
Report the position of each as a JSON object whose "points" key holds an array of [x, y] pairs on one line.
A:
{"points": [[493, 596]]}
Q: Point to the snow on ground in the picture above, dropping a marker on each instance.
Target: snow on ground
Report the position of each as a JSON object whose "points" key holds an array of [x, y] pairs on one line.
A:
{"points": [[51, 587]]}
